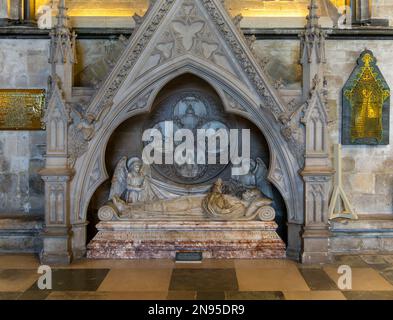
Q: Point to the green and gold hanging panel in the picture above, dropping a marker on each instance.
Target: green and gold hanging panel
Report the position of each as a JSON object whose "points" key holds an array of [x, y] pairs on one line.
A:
{"points": [[366, 105]]}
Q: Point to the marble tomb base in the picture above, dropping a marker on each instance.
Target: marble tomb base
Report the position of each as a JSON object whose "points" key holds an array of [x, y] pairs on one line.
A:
{"points": [[147, 239]]}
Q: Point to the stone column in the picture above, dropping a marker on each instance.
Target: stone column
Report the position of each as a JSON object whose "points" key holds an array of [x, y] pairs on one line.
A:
{"points": [[361, 11], [29, 12], [294, 248], [57, 174], [316, 231], [3, 9], [9, 11], [57, 232], [79, 236], [317, 172], [317, 176], [381, 12]]}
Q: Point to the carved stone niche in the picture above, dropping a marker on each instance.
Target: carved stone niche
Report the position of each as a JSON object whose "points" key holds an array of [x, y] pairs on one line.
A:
{"points": [[192, 104], [177, 38]]}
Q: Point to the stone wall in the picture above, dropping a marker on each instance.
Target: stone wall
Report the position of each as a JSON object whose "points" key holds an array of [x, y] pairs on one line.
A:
{"points": [[368, 171], [257, 13], [95, 60], [23, 64], [278, 13], [280, 59], [102, 8]]}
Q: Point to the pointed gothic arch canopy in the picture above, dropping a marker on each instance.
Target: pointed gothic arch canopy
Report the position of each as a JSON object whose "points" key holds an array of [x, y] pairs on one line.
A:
{"points": [[177, 37]]}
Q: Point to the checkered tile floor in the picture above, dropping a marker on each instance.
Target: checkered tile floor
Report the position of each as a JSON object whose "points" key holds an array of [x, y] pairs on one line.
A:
{"points": [[213, 279]]}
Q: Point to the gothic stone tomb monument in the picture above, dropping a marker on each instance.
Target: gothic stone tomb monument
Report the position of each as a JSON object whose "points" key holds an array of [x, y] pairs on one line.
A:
{"points": [[155, 210], [189, 63]]}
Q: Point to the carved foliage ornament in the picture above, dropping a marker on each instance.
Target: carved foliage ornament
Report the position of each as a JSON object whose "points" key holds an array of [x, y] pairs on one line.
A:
{"points": [[366, 105]]}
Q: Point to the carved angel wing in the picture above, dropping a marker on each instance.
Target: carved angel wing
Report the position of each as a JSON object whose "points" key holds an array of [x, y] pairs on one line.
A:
{"points": [[261, 173], [119, 180]]}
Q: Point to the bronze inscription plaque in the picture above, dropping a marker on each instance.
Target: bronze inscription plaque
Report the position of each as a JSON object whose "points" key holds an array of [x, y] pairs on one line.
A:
{"points": [[22, 109]]}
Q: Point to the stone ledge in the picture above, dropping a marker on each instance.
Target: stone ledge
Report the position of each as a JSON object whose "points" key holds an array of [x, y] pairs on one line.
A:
{"points": [[20, 233], [369, 234], [365, 224], [21, 223], [356, 33]]}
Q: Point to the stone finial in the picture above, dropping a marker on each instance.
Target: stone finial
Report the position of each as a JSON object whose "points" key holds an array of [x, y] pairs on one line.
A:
{"points": [[62, 49], [62, 18], [312, 49], [313, 37]]}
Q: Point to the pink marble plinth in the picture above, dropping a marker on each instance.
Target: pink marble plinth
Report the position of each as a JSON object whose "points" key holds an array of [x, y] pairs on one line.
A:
{"points": [[144, 239]]}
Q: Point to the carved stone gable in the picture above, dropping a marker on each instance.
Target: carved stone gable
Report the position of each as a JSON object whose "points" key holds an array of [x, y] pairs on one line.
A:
{"points": [[189, 32], [56, 118], [176, 30], [315, 120]]}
